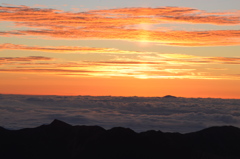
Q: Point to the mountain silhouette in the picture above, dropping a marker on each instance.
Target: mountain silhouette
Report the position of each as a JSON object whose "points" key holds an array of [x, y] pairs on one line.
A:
{"points": [[58, 123], [62, 141], [169, 96]]}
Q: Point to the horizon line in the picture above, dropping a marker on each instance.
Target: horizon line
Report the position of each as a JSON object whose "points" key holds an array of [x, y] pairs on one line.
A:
{"points": [[115, 96]]}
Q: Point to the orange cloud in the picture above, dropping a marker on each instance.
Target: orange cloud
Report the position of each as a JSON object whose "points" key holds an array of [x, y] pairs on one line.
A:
{"points": [[47, 70], [145, 58], [178, 38], [66, 49], [217, 69], [224, 59], [30, 58], [116, 24], [113, 17], [164, 66], [176, 14], [9, 62], [189, 59]]}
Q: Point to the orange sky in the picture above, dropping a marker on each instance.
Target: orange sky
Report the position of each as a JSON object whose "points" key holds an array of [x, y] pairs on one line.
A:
{"points": [[50, 85], [135, 51]]}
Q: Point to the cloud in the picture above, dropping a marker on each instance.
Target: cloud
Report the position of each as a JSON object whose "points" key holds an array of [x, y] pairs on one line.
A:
{"points": [[145, 58], [178, 56], [175, 38], [138, 113], [217, 68], [67, 49], [176, 14], [226, 60], [47, 70], [116, 24], [191, 59], [29, 58], [163, 66]]}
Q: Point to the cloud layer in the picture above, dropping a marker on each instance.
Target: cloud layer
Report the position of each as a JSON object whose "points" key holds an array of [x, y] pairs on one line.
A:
{"points": [[138, 113], [118, 24], [121, 64]]}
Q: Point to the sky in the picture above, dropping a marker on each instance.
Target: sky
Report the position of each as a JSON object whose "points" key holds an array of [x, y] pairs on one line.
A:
{"points": [[186, 48]]}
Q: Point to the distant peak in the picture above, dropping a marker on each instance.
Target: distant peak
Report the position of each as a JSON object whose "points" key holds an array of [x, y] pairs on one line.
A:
{"points": [[169, 96], [59, 123]]}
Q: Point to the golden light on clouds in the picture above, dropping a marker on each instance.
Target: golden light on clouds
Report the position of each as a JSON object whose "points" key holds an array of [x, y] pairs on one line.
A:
{"points": [[165, 66]]}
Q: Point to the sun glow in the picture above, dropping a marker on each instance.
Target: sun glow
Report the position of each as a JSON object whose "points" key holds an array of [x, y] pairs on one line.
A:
{"points": [[144, 36]]}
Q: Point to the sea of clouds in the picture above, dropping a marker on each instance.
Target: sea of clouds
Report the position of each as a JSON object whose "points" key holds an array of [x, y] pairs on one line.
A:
{"points": [[138, 113]]}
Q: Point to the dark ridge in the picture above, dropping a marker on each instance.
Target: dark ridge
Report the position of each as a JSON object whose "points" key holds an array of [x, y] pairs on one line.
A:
{"points": [[63, 141], [2, 129], [121, 131], [220, 129], [223, 141]]}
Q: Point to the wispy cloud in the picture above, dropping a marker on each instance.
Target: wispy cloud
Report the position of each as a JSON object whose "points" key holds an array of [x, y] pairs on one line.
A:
{"points": [[66, 49], [116, 24], [175, 38], [163, 66], [175, 14], [30, 58], [226, 60], [145, 58], [40, 70]]}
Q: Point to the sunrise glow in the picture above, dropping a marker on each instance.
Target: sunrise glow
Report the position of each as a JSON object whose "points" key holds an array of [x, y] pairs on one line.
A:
{"points": [[186, 50]]}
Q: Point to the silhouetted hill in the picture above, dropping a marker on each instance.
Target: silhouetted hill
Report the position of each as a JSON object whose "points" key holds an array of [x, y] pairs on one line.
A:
{"points": [[60, 140], [169, 96], [59, 123]]}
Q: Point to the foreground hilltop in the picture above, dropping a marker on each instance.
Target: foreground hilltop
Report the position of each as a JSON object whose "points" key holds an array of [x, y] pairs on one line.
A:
{"points": [[62, 141]]}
